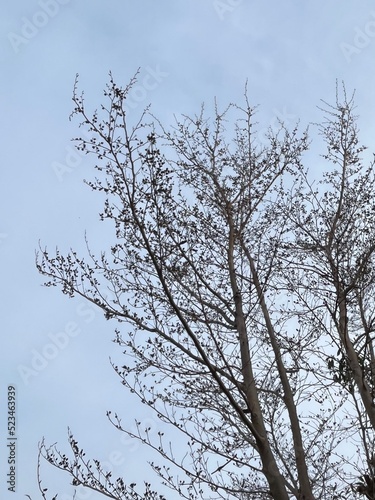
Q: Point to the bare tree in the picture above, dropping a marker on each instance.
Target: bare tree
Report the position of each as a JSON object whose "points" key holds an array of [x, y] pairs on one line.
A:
{"points": [[248, 290]]}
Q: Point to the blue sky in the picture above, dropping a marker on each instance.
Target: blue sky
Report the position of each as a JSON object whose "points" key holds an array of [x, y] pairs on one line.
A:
{"points": [[290, 52]]}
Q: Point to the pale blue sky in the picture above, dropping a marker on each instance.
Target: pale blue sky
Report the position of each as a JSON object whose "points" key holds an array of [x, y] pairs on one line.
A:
{"points": [[291, 52]]}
